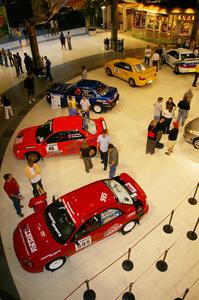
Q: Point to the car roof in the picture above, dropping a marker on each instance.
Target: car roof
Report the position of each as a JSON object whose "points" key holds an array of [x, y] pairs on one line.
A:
{"points": [[87, 201], [181, 51], [132, 61], [67, 123], [87, 83]]}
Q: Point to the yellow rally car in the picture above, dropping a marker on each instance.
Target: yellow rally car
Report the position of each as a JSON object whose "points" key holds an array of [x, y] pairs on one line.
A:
{"points": [[132, 70]]}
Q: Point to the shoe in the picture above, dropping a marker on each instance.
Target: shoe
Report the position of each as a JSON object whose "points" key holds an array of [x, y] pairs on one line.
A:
{"points": [[29, 102], [87, 171], [194, 85], [167, 153], [91, 167], [21, 215], [33, 99], [101, 161], [105, 168], [21, 206]]}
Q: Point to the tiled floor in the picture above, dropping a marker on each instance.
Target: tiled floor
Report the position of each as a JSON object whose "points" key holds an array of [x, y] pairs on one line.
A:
{"points": [[167, 181]]}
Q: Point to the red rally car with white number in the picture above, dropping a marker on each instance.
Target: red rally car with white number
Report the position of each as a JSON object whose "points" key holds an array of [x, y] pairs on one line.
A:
{"points": [[76, 220], [59, 136]]}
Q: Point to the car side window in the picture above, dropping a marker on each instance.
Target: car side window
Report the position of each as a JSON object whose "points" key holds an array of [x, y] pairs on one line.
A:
{"points": [[110, 215], [71, 91], [174, 54], [61, 136], [75, 135], [88, 93], [89, 226], [118, 65], [127, 67]]}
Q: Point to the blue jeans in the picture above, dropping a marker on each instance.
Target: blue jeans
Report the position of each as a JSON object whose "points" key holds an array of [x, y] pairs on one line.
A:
{"points": [[16, 203], [182, 113], [112, 171]]}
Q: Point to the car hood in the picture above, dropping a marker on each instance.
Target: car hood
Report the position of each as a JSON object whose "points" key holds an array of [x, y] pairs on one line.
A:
{"points": [[26, 136], [111, 92], [193, 125]]}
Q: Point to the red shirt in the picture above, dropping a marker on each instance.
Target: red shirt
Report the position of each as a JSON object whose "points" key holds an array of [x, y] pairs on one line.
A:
{"points": [[37, 203], [11, 187]]}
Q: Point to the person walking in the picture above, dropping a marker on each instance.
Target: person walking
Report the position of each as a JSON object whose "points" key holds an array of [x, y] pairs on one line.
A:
{"points": [[155, 60], [30, 88], [28, 63], [72, 106], [5, 58], [85, 154], [7, 107], [184, 107], [151, 137], [147, 55], [84, 73], [102, 147], [168, 115], [113, 159], [16, 65], [85, 106], [158, 109], [62, 40], [9, 54], [196, 76], [12, 189], [48, 69], [172, 137], [68, 37], [33, 172], [19, 62]]}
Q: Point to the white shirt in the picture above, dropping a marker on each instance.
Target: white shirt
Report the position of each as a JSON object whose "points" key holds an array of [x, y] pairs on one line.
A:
{"points": [[157, 108], [103, 142], [36, 177], [167, 114], [155, 57], [85, 104], [148, 52]]}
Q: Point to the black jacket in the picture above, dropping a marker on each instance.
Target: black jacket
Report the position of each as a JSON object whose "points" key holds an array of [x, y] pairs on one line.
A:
{"points": [[173, 134], [184, 104]]}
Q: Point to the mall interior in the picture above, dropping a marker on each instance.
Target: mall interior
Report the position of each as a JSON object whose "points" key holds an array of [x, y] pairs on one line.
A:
{"points": [[168, 180]]}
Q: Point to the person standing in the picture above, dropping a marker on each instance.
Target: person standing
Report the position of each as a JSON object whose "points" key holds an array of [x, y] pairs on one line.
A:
{"points": [[158, 109], [151, 137], [172, 137], [25, 32], [159, 50], [184, 107], [164, 49], [113, 158], [84, 73], [7, 107], [72, 106], [102, 147], [33, 172], [9, 54], [147, 55], [28, 63], [1, 58], [30, 88], [62, 40], [68, 37], [160, 127], [85, 106], [48, 68], [196, 76], [16, 65], [155, 60], [170, 103], [52, 27], [4, 54], [19, 62], [168, 115], [85, 154], [12, 189], [18, 33]]}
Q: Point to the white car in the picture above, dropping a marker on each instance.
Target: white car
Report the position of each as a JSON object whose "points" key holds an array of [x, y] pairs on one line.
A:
{"points": [[182, 60]]}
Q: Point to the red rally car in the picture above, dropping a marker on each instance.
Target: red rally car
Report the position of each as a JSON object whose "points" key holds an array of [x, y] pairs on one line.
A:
{"points": [[59, 136], [76, 220]]}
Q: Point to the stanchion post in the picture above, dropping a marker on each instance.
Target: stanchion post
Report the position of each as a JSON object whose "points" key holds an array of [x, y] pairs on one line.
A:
{"points": [[89, 294], [161, 265], [127, 264], [192, 235], [183, 297], [168, 228], [193, 200], [129, 295]]}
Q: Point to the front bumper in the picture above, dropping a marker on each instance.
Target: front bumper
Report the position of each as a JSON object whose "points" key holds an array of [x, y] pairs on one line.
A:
{"points": [[109, 105]]}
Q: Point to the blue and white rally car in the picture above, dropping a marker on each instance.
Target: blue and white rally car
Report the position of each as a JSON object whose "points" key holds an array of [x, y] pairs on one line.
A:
{"points": [[101, 96]]}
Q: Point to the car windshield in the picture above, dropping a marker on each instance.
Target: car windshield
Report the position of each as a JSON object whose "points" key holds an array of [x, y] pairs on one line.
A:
{"points": [[119, 191], [140, 68], [102, 89], [59, 221], [187, 56], [43, 131], [89, 125]]}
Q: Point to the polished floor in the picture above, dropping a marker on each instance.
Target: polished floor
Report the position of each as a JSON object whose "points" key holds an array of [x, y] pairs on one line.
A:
{"points": [[167, 181]]}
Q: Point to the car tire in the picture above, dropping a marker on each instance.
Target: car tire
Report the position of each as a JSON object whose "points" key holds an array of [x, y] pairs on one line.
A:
{"points": [[97, 108], [94, 151], [176, 69], [196, 143], [109, 72], [131, 82], [128, 227], [34, 156], [55, 264]]}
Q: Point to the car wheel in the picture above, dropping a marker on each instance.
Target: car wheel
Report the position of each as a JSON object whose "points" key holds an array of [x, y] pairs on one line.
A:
{"points": [[33, 156], [93, 151], [97, 108], [128, 227], [196, 143], [108, 72], [131, 82], [176, 69], [55, 264]]}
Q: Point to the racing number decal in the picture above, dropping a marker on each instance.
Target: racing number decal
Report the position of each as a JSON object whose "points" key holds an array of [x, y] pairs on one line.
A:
{"points": [[83, 243], [116, 70], [103, 197], [52, 148]]}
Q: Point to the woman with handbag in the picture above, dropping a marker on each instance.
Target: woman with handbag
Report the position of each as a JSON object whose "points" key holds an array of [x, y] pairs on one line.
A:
{"points": [[151, 137], [33, 172]]}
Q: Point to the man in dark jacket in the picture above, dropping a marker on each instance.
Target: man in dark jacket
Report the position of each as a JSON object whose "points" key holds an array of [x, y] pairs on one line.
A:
{"points": [[172, 137], [113, 158], [184, 107], [28, 63], [30, 88], [48, 69]]}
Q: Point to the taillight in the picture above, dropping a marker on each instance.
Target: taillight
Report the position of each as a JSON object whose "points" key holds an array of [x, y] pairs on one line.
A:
{"points": [[28, 262], [110, 101], [142, 78]]}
